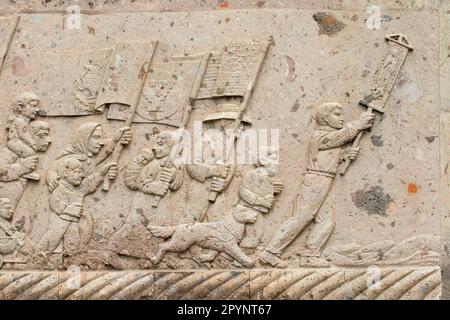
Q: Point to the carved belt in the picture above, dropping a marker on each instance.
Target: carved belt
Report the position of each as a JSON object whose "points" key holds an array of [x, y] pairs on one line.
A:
{"points": [[322, 173]]}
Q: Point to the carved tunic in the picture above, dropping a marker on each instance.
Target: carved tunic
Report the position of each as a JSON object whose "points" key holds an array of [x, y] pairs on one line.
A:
{"points": [[254, 187], [325, 152], [66, 194]]}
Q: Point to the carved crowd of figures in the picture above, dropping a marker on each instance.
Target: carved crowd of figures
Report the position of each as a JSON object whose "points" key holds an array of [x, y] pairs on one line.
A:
{"points": [[83, 165], [148, 232]]}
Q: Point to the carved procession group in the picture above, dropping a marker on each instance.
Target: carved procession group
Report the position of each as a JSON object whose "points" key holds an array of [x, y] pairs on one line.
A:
{"points": [[89, 163]]}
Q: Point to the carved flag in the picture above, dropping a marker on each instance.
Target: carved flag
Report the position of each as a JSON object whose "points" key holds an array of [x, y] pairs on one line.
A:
{"points": [[164, 95], [82, 82], [229, 72], [387, 71]]}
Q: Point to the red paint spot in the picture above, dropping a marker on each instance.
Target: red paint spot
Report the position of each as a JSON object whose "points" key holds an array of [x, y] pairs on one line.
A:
{"points": [[223, 4], [412, 188]]}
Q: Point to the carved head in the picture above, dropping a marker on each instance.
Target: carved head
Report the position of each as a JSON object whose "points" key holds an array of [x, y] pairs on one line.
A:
{"points": [[89, 138], [71, 170], [40, 130], [163, 144], [268, 159], [6, 209], [144, 156], [330, 114], [26, 104]]}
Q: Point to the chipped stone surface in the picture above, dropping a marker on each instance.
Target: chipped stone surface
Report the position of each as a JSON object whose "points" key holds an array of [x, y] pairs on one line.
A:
{"points": [[197, 231]]}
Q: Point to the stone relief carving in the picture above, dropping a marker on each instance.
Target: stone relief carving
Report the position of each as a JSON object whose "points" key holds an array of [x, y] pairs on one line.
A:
{"points": [[324, 156], [256, 192], [127, 107]]}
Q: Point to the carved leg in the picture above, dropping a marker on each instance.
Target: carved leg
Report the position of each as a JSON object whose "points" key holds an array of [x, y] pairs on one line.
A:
{"points": [[174, 245], [54, 235], [236, 252], [313, 192], [320, 233]]}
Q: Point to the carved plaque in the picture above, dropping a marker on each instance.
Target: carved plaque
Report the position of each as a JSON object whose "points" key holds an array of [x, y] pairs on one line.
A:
{"points": [[231, 154]]}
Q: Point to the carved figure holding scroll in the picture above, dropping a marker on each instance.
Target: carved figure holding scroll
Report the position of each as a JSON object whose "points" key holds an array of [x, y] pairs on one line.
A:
{"points": [[324, 156]]}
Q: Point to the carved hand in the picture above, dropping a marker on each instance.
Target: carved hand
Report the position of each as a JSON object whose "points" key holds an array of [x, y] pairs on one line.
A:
{"points": [[30, 163], [277, 185], [74, 210], [167, 175], [52, 180], [267, 201], [124, 135], [353, 153], [217, 184], [220, 171], [110, 169], [160, 188], [366, 120]]}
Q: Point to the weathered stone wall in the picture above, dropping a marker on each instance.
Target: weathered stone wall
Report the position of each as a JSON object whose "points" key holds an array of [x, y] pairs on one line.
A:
{"points": [[390, 206]]}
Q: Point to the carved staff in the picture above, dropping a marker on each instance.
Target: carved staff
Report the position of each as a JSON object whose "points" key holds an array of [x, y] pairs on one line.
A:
{"points": [[212, 196], [184, 120], [133, 107], [385, 76]]}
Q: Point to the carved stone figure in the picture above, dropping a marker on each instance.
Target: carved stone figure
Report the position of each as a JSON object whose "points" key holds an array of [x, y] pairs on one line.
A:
{"points": [[20, 140], [66, 202], [11, 240], [91, 148], [15, 171], [210, 174], [256, 192], [154, 175], [325, 155]]}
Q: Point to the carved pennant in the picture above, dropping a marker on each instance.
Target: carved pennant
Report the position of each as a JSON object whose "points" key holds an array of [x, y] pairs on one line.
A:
{"points": [[387, 71]]}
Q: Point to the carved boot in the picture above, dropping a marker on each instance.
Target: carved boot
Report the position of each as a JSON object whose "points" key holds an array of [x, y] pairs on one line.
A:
{"points": [[271, 259]]}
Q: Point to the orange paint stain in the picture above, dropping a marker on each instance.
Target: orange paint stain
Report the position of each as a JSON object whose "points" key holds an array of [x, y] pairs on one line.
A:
{"points": [[223, 5], [412, 188]]}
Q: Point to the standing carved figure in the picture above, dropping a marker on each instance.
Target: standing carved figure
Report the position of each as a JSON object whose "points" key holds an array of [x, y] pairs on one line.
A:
{"points": [[211, 174], [66, 202], [257, 194], [15, 171], [154, 175], [11, 240], [324, 156], [89, 146]]}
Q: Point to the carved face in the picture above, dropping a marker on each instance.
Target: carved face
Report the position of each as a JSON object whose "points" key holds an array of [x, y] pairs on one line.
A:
{"points": [[6, 211], [95, 142], [74, 175], [270, 163], [31, 109], [335, 119], [42, 139], [161, 149]]}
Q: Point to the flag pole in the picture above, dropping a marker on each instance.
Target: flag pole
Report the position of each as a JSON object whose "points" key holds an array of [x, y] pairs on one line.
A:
{"points": [[133, 107], [242, 108]]}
